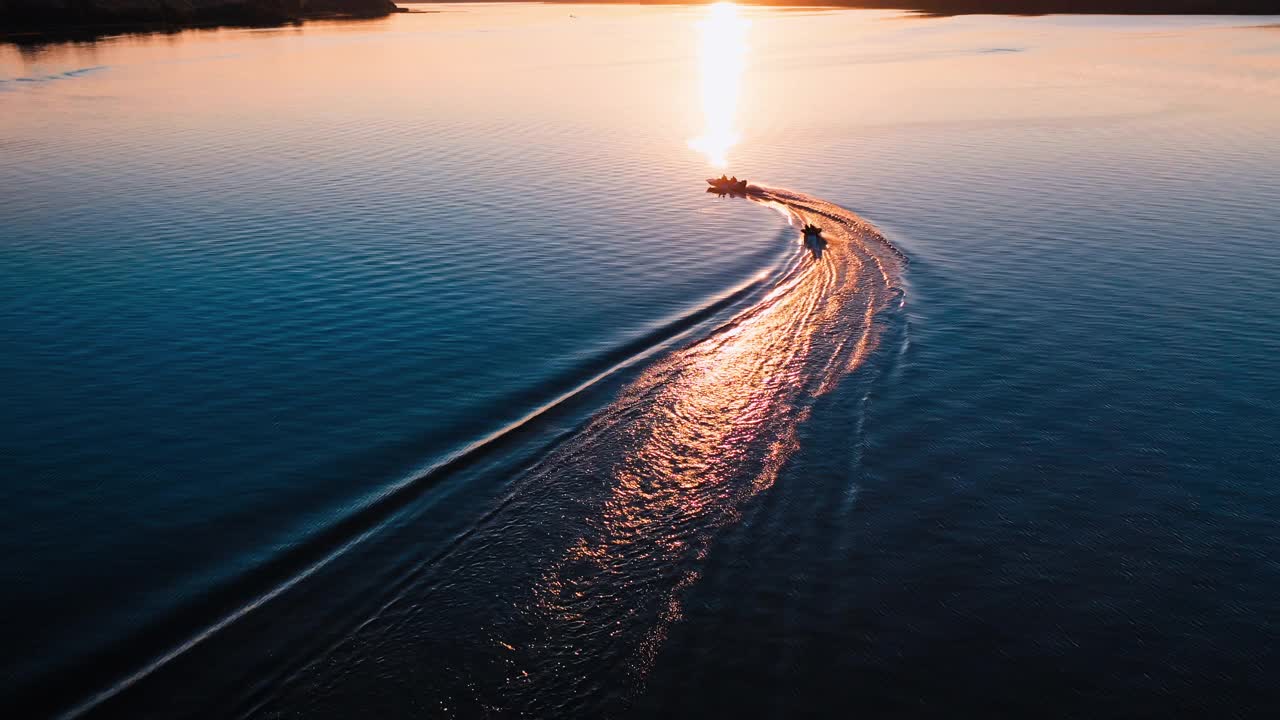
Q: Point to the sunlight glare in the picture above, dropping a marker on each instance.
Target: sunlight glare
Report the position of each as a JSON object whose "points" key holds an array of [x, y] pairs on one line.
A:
{"points": [[722, 57]]}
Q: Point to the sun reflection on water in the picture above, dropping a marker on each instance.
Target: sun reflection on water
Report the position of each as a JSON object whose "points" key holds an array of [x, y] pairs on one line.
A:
{"points": [[722, 57], [654, 479]]}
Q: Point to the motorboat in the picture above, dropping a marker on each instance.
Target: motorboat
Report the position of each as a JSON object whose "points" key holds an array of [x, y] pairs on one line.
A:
{"points": [[727, 185], [813, 238]]}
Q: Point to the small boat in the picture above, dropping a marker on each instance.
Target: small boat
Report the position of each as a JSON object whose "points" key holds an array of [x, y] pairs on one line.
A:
{"points": [[813, 238], [727, 185]]}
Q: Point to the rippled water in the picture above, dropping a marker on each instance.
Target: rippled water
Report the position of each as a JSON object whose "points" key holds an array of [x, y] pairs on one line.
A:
{"points": [[403, 367]]}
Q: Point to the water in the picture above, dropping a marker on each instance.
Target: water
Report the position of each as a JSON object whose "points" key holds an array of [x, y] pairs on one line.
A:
{"points": [[402, 367]]}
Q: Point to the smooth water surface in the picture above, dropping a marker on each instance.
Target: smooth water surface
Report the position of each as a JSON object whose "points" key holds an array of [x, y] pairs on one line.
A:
{"points": [[403, 367]]}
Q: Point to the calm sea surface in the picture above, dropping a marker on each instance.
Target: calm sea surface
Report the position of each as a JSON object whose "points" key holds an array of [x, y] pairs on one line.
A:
{"points": [[403, 367]]}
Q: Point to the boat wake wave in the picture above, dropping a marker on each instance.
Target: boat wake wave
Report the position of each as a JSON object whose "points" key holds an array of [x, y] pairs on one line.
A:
{"points": [[577, 577], [573, 581]]}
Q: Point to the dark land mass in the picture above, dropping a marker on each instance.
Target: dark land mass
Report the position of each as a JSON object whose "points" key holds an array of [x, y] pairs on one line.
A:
{"points": [[1055, 7], [1003, 7], [1013, 7], [39, 21]]}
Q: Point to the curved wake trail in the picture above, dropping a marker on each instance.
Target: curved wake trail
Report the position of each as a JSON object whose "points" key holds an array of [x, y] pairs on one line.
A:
{"points": [[570, 587]]}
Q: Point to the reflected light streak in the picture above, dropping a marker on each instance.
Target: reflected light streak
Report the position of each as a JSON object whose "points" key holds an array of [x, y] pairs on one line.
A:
{"points": [[722, 57], [656, 477]]}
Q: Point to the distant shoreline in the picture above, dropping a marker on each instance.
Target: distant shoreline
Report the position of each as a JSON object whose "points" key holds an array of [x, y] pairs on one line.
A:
{"points": [[988, 7], [978, 7], [45, 21]]}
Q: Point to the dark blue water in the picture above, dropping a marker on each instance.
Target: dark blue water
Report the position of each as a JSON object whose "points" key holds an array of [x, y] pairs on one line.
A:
{"points": [[336, 383]]}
